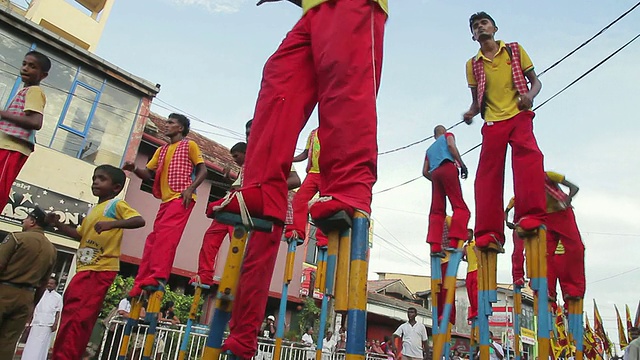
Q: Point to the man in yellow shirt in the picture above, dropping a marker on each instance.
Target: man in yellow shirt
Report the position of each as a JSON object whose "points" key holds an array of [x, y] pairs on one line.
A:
{"points": [[177, 169], [471, 281], [565, 249], [309, 188], [497, 76], [20, 121], [97, 260]]}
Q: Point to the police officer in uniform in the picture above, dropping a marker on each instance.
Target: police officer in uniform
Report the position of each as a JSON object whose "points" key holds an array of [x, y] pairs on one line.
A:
{"points": [[26, 262]]}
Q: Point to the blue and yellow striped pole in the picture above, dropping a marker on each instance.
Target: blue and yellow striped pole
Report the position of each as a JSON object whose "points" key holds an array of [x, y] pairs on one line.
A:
{"points": [[517, 309], [357, 312], [473, 338], [132, 321], [342, 273], [575, 318], [193, 311], [324, 308], [484, 306], [288, 275], [153, 309], [226, 293], [450, 290], [436, 281], [544, 318]]}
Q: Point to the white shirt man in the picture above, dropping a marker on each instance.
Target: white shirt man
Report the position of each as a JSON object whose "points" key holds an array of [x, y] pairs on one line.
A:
{"points": [[495, 350], [43, 324], [124, 308], [414, 337], [632, 351]]}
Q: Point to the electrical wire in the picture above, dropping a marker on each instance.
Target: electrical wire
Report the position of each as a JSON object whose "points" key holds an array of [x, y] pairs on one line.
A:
{"points": [[537, 107], [539, 75]]}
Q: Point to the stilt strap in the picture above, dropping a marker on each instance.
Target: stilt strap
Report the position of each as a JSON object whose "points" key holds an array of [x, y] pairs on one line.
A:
{"points": [[235, 220]]}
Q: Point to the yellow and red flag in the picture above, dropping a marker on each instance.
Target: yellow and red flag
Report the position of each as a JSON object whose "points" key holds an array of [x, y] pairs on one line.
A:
{"points": [[636, 323], [590, 344], [598, 327], [622, 336], [629, 325]]}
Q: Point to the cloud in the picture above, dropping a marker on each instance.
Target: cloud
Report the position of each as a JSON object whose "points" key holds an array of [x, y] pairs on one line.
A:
{"points": [[215, 6]]}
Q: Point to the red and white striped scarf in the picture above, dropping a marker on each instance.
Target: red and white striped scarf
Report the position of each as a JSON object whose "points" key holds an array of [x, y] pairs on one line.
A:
{"points": [[519, 81], [180, 169]]}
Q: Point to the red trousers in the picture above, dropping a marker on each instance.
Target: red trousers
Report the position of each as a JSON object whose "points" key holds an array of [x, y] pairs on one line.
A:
{"points": [[332, 57], [213, 238], [442, 296], [472, 292], [11, 162], [83, 301], [253, 292], [445, 184], [568, 268], [517, 258], [528, 176], [160, 246], [309, 188]]}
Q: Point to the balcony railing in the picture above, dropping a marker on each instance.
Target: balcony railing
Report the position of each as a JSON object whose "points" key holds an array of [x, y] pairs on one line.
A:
{"points": [[169, 338]]}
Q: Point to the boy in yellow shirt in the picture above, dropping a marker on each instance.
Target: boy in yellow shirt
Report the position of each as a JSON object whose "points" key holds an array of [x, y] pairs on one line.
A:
{"points": [[100, 236], [20, 121]]}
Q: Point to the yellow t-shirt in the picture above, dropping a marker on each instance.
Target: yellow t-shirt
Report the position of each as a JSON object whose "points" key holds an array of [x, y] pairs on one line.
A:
{"points": [[194, 155], [308, 4], [472, 259], [552, 204], [500, 95], [313, 142], [101, 252], [35, 101]]}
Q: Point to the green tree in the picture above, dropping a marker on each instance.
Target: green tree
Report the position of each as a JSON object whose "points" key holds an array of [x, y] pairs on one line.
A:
{"points": [[309, 315], [121, 286]]}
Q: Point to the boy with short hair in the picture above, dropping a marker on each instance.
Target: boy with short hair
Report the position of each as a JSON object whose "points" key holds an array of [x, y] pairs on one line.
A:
{"points": [[216, 232], [309, 188], [100, 236], [497, 76], [177, 169], [20, 121]]}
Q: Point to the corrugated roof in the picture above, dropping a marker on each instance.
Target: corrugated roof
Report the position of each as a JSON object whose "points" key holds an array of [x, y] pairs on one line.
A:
{"points": [[214, 153], [378, 285]]}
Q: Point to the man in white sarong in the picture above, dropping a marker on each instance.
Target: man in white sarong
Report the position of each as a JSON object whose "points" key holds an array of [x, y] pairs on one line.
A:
{"points": [[43, 324]]}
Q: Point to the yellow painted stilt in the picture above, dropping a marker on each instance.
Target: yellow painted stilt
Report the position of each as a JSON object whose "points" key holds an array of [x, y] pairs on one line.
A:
{"points": [[229, 282]]}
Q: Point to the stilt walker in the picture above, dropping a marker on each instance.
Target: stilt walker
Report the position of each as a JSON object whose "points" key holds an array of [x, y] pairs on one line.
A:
{"points": [[227, 290], [497, 76], [193, 312], [440, 168], [178, 169], [331, 58]]}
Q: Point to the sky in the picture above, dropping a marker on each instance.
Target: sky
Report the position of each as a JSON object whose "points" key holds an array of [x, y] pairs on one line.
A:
{"points": [[208, 56]]}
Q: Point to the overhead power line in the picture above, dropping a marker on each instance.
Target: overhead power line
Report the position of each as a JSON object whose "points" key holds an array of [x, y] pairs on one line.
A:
{"points": [[537, 107], [539, 75]]}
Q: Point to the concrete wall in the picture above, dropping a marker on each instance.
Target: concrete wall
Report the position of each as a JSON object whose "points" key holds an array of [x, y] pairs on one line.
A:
{"points": [[70, 22]]}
